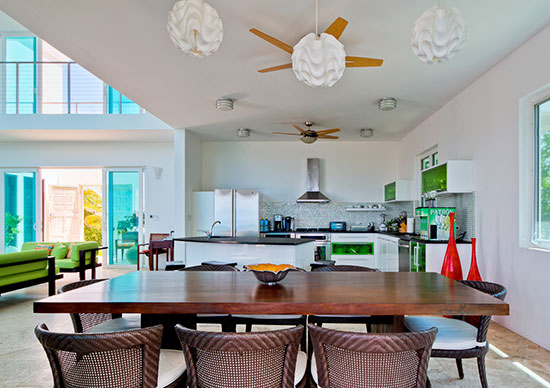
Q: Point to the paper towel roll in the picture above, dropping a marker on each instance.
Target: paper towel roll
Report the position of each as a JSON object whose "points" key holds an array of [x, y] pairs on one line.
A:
{"points": [[410, 225]]}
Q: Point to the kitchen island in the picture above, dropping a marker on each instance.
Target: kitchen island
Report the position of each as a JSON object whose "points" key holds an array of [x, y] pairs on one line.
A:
{"points": [[248, 250]]}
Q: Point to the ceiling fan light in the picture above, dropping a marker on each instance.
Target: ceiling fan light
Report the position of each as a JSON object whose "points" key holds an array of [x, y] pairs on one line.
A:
{"points": [[319, 61], [195, 27], [387, 103], [224, 104], [438, 34], [308, 139]]}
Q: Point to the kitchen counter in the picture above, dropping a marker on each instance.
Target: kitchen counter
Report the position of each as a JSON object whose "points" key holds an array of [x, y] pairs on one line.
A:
{"points": [[245, 240]]}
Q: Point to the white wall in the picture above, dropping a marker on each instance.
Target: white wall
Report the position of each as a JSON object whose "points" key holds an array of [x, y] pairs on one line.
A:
{"points": [[350, 171], [159, 194], [193, 176], [481, 124]]}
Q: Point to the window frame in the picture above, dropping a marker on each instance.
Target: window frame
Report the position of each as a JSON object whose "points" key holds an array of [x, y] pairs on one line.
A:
{"points": [[536, 208], [419, 167]]}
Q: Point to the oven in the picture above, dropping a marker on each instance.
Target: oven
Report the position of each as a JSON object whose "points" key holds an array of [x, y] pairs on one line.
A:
{"points": [[322, 243]]}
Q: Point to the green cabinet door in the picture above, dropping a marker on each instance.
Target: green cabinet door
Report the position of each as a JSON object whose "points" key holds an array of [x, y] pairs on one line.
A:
{"points": [[418, 257]]}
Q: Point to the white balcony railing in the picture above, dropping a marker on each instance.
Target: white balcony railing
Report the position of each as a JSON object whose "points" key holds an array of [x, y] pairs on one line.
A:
{"points": [[58, 88]]}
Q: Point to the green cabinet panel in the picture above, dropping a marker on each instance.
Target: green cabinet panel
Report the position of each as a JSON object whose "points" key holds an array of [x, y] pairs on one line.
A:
{"points": [[352, 249], [435, 179], [389, 192], [418, 257]]}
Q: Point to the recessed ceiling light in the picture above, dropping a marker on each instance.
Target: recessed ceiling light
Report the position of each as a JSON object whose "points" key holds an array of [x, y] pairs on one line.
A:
{"points": [[225, 104], [243, 132], [387, 103], [366, 132]]}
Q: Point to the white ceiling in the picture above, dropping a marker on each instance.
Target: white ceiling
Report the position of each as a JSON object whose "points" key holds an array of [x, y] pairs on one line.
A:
{"points": [[125, 43]]}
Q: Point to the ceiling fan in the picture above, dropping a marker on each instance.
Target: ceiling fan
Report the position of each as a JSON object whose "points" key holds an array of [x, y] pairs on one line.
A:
{"points": [[309, 135], [315, 52]]}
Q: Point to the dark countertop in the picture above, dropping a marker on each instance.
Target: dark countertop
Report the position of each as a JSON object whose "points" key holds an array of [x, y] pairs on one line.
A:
{"points": [[245, 240]]}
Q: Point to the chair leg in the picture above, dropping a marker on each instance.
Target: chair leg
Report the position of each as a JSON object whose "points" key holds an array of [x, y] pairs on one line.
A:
{"points": [[369, 328], [459, 367], [229, 326], [248, 328], [482, 373], [428, 383]]}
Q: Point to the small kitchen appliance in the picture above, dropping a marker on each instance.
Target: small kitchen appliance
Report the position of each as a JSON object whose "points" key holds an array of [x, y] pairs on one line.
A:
{"points": [[277, 223], [337, 226], [434, 222], [287, 224]]}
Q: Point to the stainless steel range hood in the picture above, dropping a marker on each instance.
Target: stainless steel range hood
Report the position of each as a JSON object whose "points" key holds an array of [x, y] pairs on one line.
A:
{"points": [[313, 195]]}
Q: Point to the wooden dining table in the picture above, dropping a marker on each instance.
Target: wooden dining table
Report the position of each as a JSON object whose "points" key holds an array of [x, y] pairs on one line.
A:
{"points": [[175, 296]]}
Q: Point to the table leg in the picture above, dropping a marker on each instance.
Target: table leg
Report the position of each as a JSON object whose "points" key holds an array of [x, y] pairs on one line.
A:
{"points": [[170, 339], [150, 255], [398, 323]]}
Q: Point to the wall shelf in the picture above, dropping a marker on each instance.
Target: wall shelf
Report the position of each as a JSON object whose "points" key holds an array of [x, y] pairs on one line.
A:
{"points": [[364, 209]]}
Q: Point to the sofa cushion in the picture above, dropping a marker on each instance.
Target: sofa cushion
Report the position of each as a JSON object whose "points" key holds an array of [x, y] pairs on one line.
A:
{"points": [[78, 246], [453, 334], [66, 263], [16, 257], [21, 277], [59, 251]]}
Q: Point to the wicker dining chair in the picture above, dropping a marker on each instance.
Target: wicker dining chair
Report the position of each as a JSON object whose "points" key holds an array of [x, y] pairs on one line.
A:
{"points": [[359, 360], [321, 319], [243, 360], [130, 359], [463, 336], [275, 320], [222, 319], [83, 322]]}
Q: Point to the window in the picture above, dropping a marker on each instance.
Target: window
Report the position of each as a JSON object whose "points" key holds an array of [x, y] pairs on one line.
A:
{"points": [[541, 216], [430, 159]]}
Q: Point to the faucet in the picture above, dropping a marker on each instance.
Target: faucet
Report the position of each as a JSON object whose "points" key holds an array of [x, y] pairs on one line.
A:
{"points": [[209, 234]]}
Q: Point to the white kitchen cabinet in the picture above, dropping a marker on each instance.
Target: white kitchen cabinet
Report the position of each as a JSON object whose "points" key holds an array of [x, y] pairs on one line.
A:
{"points": [[454, 176], [387, 253], [428, 257], [353, 249], [397, 191]]}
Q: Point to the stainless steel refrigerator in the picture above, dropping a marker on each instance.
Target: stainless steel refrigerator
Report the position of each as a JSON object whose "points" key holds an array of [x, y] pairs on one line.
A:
{"points": [[238, 211]]}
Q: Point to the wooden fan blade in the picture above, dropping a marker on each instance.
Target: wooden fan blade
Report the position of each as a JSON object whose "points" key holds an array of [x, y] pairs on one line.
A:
{"points": [[327, 137], [275, 68], [299, 129], [327, 131], [284, 133], [363, 62], [337, 27], [276, 42]]}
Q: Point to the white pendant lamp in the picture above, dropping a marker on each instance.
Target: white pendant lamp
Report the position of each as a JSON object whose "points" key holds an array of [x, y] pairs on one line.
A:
{"points": [[195, 27], [438, 34], [318, 60]]}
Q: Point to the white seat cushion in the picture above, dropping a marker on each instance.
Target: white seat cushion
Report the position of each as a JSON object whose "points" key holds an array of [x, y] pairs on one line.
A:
{"points": [[127, 322], [343, 316], [171, 367], [267, 316], [452, 334], [211, 315], [301, 366], [314, 368]]}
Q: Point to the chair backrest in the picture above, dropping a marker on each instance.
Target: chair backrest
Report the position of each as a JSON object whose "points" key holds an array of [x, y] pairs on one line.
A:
{"points": [[158, 236], [344, 268], [129, 236], [109, 360], [482, 322], [207, 267], [240, 360], [83, 321], [350, 360]]}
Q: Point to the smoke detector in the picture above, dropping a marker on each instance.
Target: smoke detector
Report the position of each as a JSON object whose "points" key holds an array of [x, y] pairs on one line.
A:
{"points": [[366, 132], [225, 104], [243, 132], [387, 103]]}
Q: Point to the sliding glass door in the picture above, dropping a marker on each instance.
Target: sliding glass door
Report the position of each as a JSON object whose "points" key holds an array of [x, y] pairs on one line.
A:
{"points": [[20, 204], [123, 189]]}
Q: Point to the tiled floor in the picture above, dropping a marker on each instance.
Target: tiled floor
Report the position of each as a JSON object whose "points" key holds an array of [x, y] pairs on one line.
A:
{"points": [[24, 364]]}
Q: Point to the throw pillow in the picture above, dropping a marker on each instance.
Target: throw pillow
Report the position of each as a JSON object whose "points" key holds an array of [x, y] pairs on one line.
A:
{"points": [[69, 251], [59, 251], [49, 247]]}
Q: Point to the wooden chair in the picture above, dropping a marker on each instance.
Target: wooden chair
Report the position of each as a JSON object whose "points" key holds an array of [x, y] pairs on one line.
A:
{"points": [[243, 360], [144, 250], [463, 336], [349, 360], [97, 322], [111, 360]]}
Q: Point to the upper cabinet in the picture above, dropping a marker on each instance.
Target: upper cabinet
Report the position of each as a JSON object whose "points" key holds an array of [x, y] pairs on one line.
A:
{"points": [[454, 176], [397, 191]]}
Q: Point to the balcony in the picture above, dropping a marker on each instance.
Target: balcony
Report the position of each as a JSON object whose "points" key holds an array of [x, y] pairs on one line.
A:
{"points": [[55, 88]]}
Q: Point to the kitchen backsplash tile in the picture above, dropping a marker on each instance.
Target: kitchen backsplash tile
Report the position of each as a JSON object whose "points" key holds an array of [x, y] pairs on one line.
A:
{"points": [[465, 211], [319, 215]]}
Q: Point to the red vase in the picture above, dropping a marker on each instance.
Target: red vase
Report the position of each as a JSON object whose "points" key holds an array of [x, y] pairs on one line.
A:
{"points": [[474, 271], [451, 264]]}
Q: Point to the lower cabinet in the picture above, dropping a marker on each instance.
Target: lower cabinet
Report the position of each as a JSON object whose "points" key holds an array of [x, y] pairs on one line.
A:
{"points": [[428, 257], [353, 249], [387, 253]]}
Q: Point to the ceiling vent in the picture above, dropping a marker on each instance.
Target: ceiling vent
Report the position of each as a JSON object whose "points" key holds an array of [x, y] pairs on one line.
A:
{"points": [[387, 103], [225, 104]]}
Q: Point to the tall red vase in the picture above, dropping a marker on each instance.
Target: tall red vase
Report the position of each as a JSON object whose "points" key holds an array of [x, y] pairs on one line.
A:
{"points": [[474, 271], [451, 264]]}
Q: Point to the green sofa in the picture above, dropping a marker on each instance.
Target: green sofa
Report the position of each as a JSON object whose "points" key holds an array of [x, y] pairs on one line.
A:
{"points": [[27, 268], [83, 255]]}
